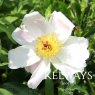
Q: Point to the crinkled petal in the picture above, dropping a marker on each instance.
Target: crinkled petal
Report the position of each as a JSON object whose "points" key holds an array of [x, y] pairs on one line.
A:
{"points": [[72, 57], [21, 57], [68, 71], [41, 72], [74, 52], [22, 36], [36, 24], [63, 26]]}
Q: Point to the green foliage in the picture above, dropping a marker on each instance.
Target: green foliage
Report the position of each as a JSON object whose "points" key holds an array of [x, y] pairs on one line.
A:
{"points": [[16, 89], [80, 12]]}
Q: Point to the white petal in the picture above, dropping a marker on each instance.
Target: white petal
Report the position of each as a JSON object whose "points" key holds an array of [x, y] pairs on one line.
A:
{"points": [[22, 36], [63, 26], [36, 24], [72, 57], [74, 52], [77, 40], [32, 67], [67, 71], [21, 57], [41, 72]]}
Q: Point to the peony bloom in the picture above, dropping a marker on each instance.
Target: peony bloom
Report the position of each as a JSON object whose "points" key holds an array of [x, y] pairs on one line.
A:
{"points": [[48, 42]]}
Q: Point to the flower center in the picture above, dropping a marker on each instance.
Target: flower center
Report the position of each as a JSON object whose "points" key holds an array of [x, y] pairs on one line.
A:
{"points": [[48, 46]]}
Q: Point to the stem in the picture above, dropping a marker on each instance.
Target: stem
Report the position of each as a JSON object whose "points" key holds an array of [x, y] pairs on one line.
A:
{"points": [[49, 87]]}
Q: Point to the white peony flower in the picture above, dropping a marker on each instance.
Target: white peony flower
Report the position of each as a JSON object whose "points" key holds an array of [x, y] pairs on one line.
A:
{"points": [[48, 42]]}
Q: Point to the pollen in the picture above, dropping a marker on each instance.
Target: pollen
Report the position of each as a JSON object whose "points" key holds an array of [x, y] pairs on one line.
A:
{"points": [[48, 46]]}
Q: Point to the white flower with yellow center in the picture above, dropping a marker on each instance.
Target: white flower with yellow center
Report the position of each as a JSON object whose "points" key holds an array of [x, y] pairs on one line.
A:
{"points": [[48, 42]]}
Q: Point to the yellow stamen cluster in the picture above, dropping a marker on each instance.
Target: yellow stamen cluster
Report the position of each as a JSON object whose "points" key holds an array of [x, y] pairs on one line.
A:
{"points": [[48, 46]]}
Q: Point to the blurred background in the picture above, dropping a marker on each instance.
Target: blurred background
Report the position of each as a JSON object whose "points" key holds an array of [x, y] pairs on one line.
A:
{"points": [[80, 12]]}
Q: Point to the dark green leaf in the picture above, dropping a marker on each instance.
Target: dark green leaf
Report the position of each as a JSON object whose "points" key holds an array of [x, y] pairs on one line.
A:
{"points": [[18, 89]]}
